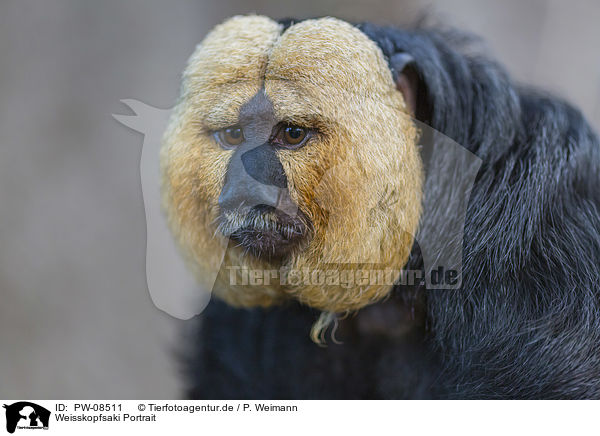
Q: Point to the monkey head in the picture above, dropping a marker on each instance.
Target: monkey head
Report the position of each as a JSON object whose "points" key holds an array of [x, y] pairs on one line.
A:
{"points": [[297, 146]]}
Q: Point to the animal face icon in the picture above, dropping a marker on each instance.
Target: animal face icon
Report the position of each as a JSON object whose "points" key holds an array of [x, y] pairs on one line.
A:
{"points": [[26, 414]]}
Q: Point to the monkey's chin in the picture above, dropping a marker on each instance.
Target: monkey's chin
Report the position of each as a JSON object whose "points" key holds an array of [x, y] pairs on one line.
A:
{"points": [[269, 234]]}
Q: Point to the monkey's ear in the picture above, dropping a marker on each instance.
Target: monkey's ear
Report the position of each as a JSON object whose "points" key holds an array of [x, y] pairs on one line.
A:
{"points": [[406, 78]]}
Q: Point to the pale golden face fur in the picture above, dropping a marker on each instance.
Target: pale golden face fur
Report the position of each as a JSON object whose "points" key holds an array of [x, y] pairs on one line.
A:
{"points": [[324, 74]]}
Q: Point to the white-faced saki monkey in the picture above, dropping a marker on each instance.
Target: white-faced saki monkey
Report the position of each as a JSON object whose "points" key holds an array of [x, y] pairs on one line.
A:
{"points": [[310, 147]]}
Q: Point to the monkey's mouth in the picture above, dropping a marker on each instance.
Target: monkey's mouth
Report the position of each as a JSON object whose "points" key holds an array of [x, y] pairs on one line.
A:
{"points": [[265, 231]]}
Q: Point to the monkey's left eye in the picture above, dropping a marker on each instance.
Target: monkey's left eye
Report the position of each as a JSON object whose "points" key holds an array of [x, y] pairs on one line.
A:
{"points": [[294, 135], [290, 136], [230, 136]]}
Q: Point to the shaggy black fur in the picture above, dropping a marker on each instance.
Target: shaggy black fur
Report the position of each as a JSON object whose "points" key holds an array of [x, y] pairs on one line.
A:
{"points": [[526, 322]]}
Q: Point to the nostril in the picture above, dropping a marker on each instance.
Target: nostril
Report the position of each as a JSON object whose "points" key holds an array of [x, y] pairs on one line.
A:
{"points": [[234, 200]]}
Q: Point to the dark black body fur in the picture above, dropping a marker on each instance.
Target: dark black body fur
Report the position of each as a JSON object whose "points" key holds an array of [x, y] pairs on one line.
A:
{"points": [[526, 323]]}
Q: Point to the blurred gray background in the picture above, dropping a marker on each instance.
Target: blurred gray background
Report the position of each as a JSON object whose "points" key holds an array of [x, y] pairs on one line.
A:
{"points": [[76, 319]]}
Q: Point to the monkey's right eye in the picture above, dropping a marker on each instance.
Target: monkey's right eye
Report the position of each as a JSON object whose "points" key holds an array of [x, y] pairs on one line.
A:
{"points": [[230, 136]]}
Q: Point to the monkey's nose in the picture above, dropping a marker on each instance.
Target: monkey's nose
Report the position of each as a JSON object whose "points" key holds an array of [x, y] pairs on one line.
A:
{"points": [[254, 177]]}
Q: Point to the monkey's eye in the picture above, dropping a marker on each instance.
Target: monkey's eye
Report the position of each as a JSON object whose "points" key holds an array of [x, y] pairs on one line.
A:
{"points": [[290, 136], [231, 136], [294, 135]]}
